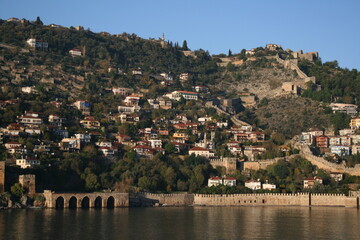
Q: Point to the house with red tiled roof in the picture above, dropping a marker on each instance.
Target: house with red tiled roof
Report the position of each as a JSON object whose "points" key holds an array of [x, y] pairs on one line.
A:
{"points": [[90, 122], [144, 151], [216, 181], [310, 182]]}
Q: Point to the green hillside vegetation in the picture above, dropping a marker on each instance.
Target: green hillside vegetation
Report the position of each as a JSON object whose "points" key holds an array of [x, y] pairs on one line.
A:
{"points": [[293, 115], [338, 85]]}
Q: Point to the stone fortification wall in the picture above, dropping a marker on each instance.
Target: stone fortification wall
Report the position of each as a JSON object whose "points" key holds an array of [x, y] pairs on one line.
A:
{"points": [[260, 164], [305, 152], [2, 176], [234, 118], [266, 199], [168, 199], [262, 199], [333, 200], [228, 163], [293, 65]]}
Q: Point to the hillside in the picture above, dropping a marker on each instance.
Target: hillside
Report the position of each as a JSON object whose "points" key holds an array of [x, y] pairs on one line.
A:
{"points": [[117, 111], [292, 115], [262, 77]]}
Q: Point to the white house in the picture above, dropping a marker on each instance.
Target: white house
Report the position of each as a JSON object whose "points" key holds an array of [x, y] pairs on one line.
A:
{"points": [[29, 119], [176, 95], [27, 162], [29, 89], [155, 143], [310, 182], [84, 137], [70, 144], [184, 76], [252, 184], [229, 181], [129, 109], [199, 151], [75, 52], [214, 181], [336, 176], [32, 42], [268, 186]]}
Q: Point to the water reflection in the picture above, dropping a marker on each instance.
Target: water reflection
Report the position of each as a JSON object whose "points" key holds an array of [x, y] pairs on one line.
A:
{"points": [[182, 223]]}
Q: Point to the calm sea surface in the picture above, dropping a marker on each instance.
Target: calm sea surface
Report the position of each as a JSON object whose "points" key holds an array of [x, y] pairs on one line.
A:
{"points": [[182, 223]]}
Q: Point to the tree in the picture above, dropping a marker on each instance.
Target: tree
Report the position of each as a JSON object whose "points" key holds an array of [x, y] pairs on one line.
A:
{"points": [[17, 190], [184, 46], [230, 67], [91, 182], [170, 148], [230, 53], [38, 21]]}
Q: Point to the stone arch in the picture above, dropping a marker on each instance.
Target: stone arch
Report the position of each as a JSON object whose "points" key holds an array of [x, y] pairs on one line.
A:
{"points": [[59, 202], [98, 202], [73, 202], [85, 202], [110, 202]]}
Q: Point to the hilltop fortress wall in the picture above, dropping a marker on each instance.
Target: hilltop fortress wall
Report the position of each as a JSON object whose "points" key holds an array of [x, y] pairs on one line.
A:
{"points": [[263, 199], [294, 86]]}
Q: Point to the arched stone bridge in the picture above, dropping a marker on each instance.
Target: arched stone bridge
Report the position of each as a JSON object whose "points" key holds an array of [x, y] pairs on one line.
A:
{"points": [[85, 200]]}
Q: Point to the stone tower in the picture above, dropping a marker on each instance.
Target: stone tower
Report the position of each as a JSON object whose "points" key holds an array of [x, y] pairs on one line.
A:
{"points": [[2, 176], [28, 182], [162, 41]]}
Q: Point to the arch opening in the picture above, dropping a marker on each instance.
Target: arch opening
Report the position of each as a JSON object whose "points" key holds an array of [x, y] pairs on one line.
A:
{"points": [[98, 202], [73, 202], [110, 202], [59, 203], [85, 203]]}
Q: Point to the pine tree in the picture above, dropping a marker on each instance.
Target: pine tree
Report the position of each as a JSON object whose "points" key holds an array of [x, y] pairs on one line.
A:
{"points": [[38, 21], [184, 46]]}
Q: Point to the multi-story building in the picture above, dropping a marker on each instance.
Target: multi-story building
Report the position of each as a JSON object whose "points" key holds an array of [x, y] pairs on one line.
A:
{"points": [[83, 106], [355, 123], [322, 141], [90, 122], [27, 162], [350, 109], [340, 150]]}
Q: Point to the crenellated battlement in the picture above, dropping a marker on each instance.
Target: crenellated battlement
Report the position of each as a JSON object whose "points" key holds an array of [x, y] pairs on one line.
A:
{"points": [[253, 199]]}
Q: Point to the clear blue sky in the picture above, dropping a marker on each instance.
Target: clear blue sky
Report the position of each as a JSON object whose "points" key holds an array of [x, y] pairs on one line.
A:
{"points": [[331, 27]]}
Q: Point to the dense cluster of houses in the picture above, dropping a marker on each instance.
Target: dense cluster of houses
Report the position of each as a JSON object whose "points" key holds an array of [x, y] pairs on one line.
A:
{"points": [[177, 130], [344, 144]]}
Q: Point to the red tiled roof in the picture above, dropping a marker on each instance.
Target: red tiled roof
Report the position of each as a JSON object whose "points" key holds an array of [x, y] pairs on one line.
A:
{"points": [[215, 178], [187, 92], [198, 149]]}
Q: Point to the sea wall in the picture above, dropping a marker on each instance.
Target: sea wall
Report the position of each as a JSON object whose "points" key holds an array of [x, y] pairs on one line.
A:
{"points": [[266, 199], [333, 200], [182, 199], [262, 199]]}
